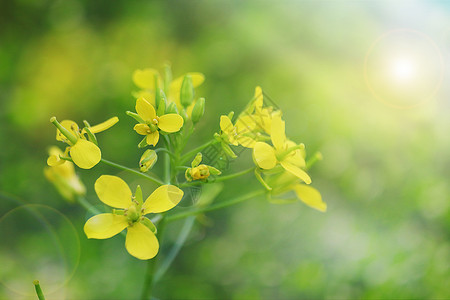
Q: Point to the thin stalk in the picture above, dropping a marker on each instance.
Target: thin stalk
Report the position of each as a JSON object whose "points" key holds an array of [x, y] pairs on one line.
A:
{"points": [[38, 289], [219, 179], [112, 164], [214, 206], [151, 265], [83, 202], [193, 152], [184, 233]]}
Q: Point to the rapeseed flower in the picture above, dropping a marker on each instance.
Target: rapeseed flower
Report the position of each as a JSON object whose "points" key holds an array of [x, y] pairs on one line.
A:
{"points": [[84, 153], [283, 152], [62, 175], [130, 212], [200, 171], [151, 123], [239, 134]]}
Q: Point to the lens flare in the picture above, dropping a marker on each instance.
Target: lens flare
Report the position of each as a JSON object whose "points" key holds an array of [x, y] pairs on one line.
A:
{"points": [[404, 68]]}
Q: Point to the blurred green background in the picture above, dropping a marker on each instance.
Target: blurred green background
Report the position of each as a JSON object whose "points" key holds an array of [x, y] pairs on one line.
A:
{"points": [[335, 68]]}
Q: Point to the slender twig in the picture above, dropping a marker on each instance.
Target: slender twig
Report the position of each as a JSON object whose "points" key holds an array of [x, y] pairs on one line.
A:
{"points": [[184, 233], [38, 289], [112, 164], [193, 152], [214, 206], [219, 179]]}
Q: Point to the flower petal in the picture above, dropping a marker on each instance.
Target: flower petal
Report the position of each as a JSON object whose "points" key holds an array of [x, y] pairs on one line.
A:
{"points": [[145, 110], [54, 160], [141, 242], [170, 122], [145, 79], [264, 155], [310, 196], [245, 124], [296, 171], [69, 125], [225, 125], [277, 132], [141, 129], [104, 226], [245, 141], [85, 154], [153, 138], [113, 191], [104, 126], [197, 80], [162, 199]]}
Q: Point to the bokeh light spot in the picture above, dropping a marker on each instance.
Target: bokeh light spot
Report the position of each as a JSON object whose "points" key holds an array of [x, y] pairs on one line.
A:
{"points": [[38, 242]]}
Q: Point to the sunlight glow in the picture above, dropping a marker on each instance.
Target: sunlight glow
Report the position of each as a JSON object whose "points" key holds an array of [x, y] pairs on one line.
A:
{"points": [[403, 69]]}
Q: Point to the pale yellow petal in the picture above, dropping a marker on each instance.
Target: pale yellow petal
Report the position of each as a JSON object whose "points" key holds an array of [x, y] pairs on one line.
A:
{"points": [[145, 79], [85, 154], [104, 226], [142, 129], [245, 141], [170, 122], [264, 155], [54, 160], [245, 124], [310, 196], [145, 110], [113, 191], [162, 199], [258, 99], [69, 125], [225, 125], [277, 133], [104, 126], [141, 242], [296, 171], [197, 80], [153, 138]]}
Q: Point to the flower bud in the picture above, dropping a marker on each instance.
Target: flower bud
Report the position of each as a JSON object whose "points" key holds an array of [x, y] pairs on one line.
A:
{"points": [[148, 160], [172, 108], [187, 91], [199, 110]]}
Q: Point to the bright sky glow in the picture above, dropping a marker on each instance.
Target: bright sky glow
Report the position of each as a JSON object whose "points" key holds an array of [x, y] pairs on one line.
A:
{"points": [[403, 69]]}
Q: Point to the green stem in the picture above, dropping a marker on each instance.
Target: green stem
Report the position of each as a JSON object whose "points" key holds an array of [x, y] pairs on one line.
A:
{"points": [[193, 152], [112, 164], [38, 289], [83, 202], [184, 233], [214, 206], [165, 150], [219, 179], [151, 264]]}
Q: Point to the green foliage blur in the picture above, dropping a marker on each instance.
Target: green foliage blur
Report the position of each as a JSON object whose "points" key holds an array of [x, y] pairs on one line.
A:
{"points": [[385, 173]]}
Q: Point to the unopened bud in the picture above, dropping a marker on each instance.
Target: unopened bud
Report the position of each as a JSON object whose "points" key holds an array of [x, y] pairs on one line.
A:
{"points": [[148, 160], [187, 91], [199, 110]]}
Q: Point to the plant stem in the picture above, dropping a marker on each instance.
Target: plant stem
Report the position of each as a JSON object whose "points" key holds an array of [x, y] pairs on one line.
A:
{"points": [[151, 264], [221, 178], [83, 202], [38, 289], [214, 206], [184, 233], [193, 152], [112, 164]]}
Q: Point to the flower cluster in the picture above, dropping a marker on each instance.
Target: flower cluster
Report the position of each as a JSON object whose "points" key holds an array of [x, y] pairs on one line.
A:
{"points": [[166, 112]]}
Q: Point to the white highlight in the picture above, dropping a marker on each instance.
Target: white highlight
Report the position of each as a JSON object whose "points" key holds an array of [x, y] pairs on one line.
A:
{"points": [[403, 69]]}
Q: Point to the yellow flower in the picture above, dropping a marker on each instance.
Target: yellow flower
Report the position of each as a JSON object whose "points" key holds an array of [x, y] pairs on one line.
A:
{"points": [[169, 122], [62, 175], [239, 134], [149, 80], [141, 241], [286, 183], [84, 153], [200, 172], [284, 152]]}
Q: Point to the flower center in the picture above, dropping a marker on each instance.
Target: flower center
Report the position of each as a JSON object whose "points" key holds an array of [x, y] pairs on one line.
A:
{"points": [[133, 213]]}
